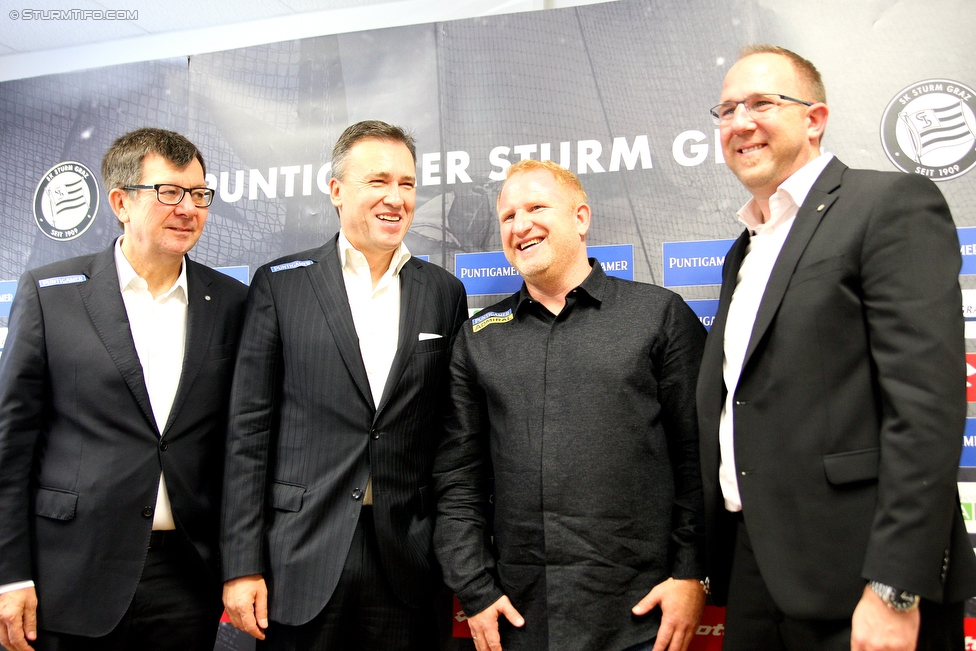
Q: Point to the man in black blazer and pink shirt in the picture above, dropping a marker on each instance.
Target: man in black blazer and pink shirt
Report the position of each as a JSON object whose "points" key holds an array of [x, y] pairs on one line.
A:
{"points": [[114, 389], [335, 417], [831, 395]]}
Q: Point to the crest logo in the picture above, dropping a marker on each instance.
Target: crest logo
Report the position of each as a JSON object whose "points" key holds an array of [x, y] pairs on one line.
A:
{"points": [[929, 129], [66, 201]]}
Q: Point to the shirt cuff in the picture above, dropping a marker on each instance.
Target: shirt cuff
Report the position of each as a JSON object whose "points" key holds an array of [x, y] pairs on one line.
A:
{"points": [[20, 585]]}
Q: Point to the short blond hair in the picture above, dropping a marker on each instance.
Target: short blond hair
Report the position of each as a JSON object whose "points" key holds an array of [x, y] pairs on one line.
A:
{"points": [[807, 72], [563, 176]]}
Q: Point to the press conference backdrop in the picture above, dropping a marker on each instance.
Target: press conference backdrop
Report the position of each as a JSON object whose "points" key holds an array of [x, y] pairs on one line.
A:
{"points": [[618, 92]]}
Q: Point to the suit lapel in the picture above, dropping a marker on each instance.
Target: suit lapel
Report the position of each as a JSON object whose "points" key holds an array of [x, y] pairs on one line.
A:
{"points": [[816, 205], [201, 313], [711, 381], [330, 289], [103, 301], [413, 284]]}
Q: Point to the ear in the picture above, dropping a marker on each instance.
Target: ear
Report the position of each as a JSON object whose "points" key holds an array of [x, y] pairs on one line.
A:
{"points": [[119, 200], [582, 219], [816, 121], [334, 187]]}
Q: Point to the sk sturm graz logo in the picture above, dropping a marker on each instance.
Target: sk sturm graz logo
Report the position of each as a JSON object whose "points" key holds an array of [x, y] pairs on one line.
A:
{"points": [[929, 129], [66, 201]]}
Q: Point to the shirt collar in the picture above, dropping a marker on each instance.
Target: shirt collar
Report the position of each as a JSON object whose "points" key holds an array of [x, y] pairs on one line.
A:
{"points": [[400, 256], [593, 285], [127, 274], [796, 187]]}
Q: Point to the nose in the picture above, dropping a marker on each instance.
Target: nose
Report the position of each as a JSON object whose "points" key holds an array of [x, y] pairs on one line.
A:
{"points": [[741, 119], [186, 204], [393, 197], [522, 222]]}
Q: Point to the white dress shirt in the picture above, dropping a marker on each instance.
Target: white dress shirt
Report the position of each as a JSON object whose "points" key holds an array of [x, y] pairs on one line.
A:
{"points": [[765, 244], [158, 327], [376, 315]]}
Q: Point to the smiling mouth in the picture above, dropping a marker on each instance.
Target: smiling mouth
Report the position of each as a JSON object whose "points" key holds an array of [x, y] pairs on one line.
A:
{"points": [[749, 150], [390, 219], [526, 245]]}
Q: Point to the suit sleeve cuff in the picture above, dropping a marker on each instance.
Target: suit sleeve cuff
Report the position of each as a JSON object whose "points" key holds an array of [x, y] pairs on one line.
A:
{"points": [[479, 596], [20, 585]]}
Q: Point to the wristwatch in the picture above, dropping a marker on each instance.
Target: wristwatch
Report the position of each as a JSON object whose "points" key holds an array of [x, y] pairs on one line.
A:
{"points": [[896, 599]]}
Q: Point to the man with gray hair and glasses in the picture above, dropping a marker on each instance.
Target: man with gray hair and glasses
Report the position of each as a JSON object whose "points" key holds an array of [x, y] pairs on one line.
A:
{"points": [[114, 386], [831, 397]]}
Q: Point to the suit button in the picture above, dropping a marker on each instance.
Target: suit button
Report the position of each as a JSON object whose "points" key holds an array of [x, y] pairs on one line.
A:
{"points": [[163, 445], [374, 434], [147, 511], [357, 493]]}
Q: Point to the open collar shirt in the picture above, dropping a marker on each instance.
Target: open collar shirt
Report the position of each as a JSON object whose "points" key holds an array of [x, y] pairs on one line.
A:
{"points": [[376, 315], [765, 243], [158, 327]]}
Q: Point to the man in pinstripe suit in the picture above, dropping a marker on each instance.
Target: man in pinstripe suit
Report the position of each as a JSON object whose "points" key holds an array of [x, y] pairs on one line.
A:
{"points": [[334, 420]]}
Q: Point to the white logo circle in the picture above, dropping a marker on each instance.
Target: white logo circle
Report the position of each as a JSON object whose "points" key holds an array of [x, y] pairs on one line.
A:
{"points": [[929, 129], [66, 201]]}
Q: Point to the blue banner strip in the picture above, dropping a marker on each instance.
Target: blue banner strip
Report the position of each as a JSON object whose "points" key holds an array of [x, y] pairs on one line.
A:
{"points": [[7, 290], [490, 273], [239, 273], [705, 311], [694, 263]]}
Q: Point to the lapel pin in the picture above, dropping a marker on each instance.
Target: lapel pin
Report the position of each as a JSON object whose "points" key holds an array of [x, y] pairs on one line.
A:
{"points": [[820, 207], [207, 298]]}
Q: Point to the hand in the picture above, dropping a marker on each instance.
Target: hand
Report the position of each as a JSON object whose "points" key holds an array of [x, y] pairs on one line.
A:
{"points": [[876, 627], [246, 602], [682, 602], [18, 619], [484, 625]]}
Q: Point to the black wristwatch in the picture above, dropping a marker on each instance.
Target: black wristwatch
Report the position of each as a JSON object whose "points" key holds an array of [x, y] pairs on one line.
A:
{"points": [[896, 599]]}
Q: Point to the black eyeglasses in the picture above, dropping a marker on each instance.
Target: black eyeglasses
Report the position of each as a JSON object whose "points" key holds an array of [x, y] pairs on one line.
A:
{"points": [[172, 195], [755, 106]]}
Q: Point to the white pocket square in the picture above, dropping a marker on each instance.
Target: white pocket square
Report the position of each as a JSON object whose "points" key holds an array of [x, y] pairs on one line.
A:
{"points": [[424, 336]]}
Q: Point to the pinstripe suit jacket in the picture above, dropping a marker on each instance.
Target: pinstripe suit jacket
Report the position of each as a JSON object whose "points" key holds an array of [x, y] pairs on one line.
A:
{"points": [[305, 434]]}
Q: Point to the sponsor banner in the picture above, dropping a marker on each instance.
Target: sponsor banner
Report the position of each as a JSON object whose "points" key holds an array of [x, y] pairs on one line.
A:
{"points": [[238, 273], [970, 377], [486, 273], [616, 259], [967, 500], [967, 247], [969, 303], [490, 272], [968, 458], [969, 628], [3, 339], [7, 290], [710, 633], [460, 621], [969, 311], [705, 311], [696, 263]]}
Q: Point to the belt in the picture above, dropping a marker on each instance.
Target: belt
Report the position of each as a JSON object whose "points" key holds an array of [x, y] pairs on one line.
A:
{"points": [[159, 539]]}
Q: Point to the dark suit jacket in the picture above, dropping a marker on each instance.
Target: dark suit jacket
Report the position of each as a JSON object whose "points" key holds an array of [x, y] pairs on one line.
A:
{"points": [[305, 434], [80, 453], [850, 409]]}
